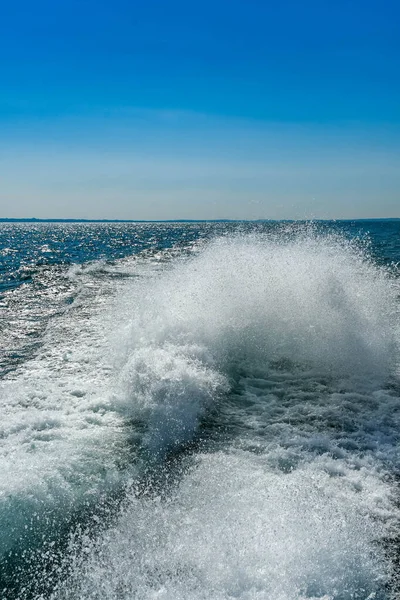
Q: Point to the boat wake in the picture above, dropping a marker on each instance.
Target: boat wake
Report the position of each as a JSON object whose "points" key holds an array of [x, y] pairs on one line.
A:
{"points": [[235, 409]]}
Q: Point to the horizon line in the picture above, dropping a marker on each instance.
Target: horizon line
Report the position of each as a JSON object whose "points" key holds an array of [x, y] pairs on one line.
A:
{"points": [[72, 220]]}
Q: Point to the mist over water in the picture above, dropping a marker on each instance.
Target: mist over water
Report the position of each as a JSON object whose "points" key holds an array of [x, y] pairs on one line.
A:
{"points": [[219, 421]]}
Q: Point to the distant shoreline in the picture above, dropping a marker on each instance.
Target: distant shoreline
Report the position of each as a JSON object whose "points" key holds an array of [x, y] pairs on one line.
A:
{"points": [[34, 220], [118, 220]]}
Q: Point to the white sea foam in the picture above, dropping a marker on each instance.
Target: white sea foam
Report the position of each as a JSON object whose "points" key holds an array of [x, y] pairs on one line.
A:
{"points": [[236, 529], [313, 302], [54, 413], [289, 343]]}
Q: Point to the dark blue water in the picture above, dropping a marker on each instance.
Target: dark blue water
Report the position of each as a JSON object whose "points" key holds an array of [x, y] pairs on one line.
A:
{"points": [[26, 247], [199, 410]]}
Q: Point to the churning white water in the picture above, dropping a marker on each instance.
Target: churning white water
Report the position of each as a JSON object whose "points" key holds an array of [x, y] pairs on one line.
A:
{"points": [[246, 399]]}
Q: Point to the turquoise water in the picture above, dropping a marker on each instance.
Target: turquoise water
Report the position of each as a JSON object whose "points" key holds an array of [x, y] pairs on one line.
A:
{"points": [[199, 410]]}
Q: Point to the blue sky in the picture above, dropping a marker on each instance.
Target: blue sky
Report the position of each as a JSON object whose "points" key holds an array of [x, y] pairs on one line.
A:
{"points": [[182, 110]]}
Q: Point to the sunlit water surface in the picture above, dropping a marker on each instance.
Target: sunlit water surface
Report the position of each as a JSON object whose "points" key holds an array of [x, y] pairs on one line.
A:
{"points": [[199, 411]]}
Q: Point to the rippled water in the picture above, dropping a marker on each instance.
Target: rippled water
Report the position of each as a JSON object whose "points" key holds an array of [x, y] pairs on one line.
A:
{"points": [[200, 410]]}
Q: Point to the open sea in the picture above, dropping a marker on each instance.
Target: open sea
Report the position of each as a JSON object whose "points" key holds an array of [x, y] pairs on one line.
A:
{"points": [[200, 411]]}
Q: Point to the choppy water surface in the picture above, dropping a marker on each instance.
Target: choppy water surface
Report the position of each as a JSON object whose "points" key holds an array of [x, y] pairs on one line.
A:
{"points": [[200, 411]]}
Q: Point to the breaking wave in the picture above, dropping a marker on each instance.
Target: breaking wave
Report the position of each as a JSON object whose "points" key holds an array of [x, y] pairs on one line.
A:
{"points": [[255, 377]]}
